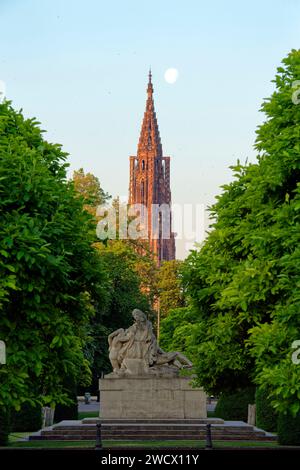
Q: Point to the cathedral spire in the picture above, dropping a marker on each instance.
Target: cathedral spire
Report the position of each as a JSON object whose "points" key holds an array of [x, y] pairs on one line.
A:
{"points": [[149, 142], [149, 184], [150, 86]]}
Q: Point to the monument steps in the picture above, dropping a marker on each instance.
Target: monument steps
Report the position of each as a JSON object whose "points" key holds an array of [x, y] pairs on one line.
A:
{"points": [[147, 430], [160, 428], [143, 421]]}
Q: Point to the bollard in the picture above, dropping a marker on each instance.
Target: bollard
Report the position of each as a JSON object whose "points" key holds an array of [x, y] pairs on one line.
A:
{"points": [[208, 445], [87, 398], [98, 437]]}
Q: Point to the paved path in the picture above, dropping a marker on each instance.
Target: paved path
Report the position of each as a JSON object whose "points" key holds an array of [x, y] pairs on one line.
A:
{"points": [[211, 406], [93, 406]]}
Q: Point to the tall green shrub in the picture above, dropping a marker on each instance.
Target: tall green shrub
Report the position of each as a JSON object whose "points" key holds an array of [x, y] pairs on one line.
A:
{"points": [[289, 429], [4, 426], [28, 418], [69, 410], [266, 415], [234, 406]]}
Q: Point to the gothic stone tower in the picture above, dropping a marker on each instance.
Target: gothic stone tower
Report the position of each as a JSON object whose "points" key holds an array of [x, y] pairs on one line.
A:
{"points": [[150, 184]]}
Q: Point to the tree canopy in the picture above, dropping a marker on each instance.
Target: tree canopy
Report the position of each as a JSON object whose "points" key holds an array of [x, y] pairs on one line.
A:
{"points": [[169, 285], [88, 187], [177, 331], [50, 274], [244, 282], [128, 278]]}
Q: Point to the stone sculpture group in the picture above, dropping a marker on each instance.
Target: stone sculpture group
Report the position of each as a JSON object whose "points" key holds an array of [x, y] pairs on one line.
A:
{"points": [[135, 352]]}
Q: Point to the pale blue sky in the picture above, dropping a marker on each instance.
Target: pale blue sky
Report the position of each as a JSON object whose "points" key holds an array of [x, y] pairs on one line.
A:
{"points": [[81, 69]]}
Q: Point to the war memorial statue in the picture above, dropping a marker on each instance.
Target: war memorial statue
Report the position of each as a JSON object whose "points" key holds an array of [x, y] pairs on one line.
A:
{"points": [[135, 351], [145, 382]]}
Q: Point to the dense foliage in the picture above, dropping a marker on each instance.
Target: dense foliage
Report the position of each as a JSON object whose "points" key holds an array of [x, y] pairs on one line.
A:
{"points": [[289, 429], [50, 275], [169, 287], [234, 406], [28, 418], [266, 417], [88, 187], [177, 331], [69, 410], [130, 275], [245, 280], [123, 295], [5, 425]]}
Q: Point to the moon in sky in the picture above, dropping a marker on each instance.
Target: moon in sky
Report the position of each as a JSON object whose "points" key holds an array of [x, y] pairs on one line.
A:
{"points": [[171, 75]]}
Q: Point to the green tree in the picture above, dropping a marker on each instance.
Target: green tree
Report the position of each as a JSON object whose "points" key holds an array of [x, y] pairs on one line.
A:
{"points": [[123, 295], [177, 331], [143, 261], [88, 187], [124, 290], [170, 288], [244, 282], [130, 272], [50, 275]]}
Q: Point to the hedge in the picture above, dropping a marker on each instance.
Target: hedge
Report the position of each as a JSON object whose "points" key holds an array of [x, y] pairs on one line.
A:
{"points": [[63, 412], [29, 418], [266, 416], [234, 406], [4, 426], [289, 429]]}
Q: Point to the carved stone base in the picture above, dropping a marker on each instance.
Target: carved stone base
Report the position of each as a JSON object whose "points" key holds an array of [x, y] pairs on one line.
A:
{"points": [[150, 397]]}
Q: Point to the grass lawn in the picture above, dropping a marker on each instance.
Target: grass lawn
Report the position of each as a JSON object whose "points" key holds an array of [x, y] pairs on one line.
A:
{"points": [[88, 414], [141, 444], [16, 436]]}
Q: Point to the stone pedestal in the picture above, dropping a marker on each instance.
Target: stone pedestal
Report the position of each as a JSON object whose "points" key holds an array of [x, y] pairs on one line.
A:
{"points": [[150, 398]]}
